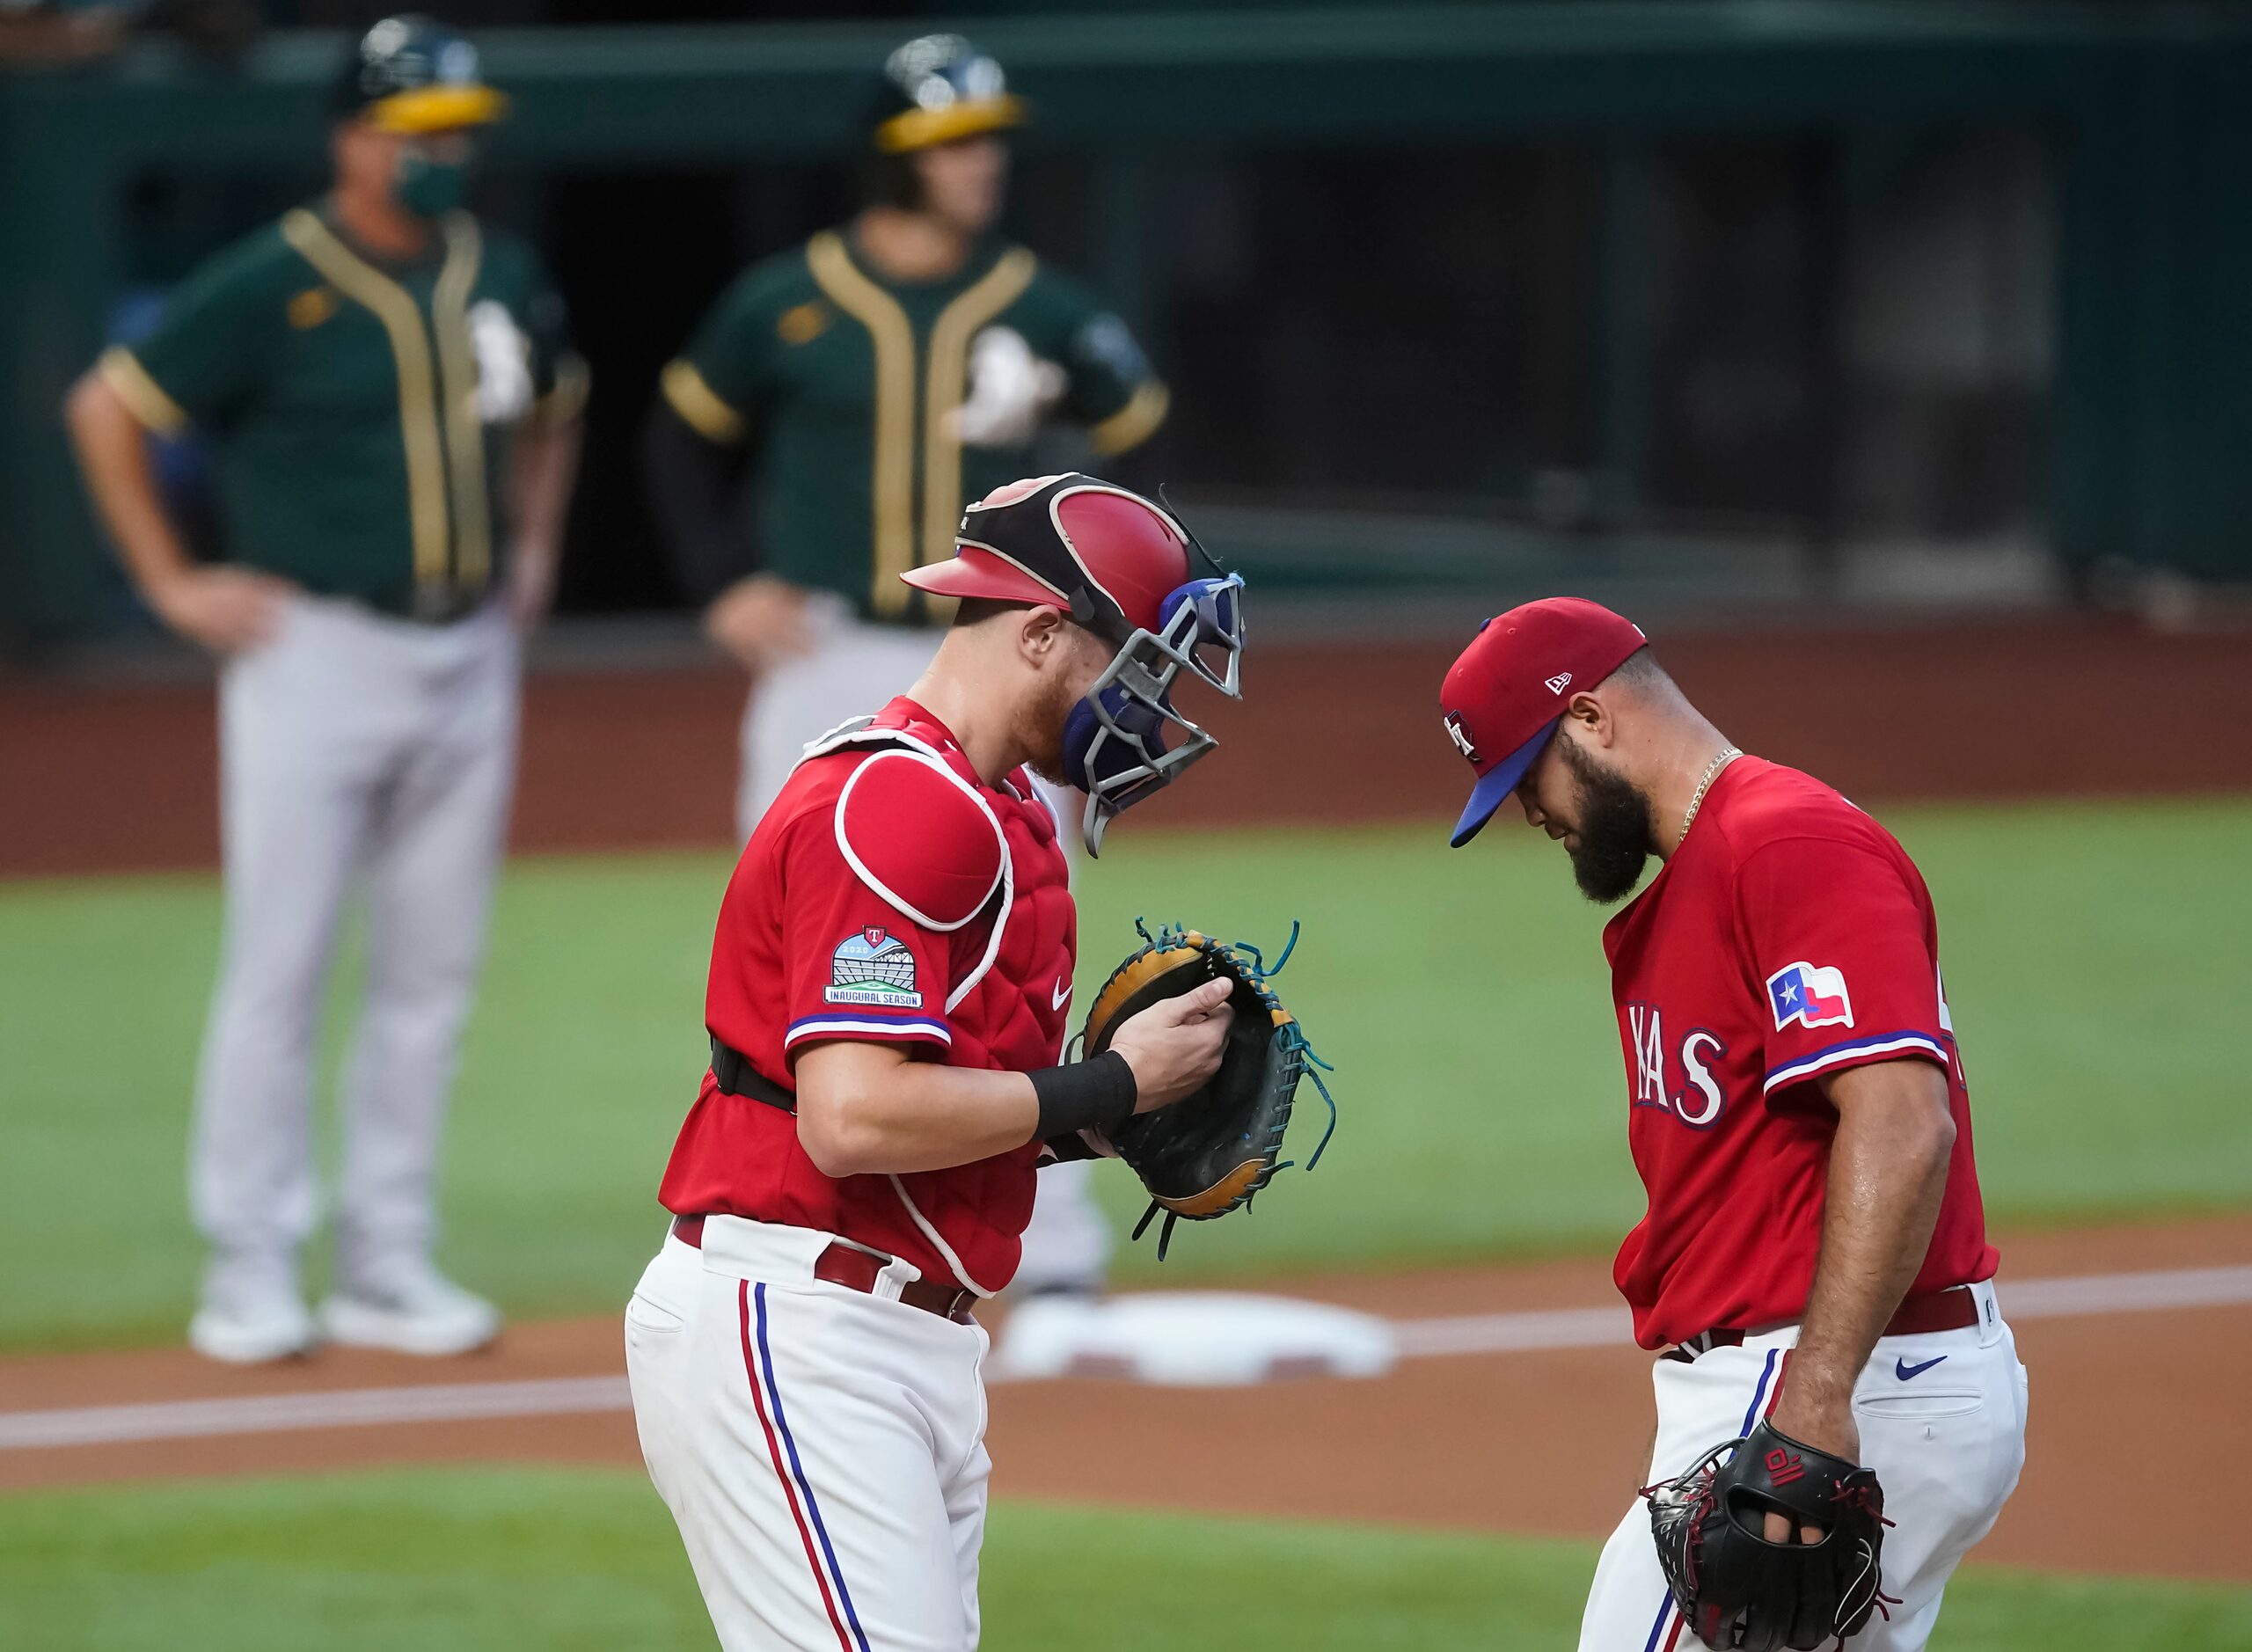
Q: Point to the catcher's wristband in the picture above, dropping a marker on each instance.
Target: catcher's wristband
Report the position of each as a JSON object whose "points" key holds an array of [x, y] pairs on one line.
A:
{"points": [[1085, 1095]]}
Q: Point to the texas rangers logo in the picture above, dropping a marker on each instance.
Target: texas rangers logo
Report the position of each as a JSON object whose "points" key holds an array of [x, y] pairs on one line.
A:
{"points": [[872, 968], [1460, 735], [1812, 994]]}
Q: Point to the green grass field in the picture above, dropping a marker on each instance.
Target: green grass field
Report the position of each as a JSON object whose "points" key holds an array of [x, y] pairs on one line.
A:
{"points": [[1461, 996], [1463, 1000], [447, 1560]]}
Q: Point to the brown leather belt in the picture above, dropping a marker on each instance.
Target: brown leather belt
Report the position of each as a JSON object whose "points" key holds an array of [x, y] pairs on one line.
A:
{"points": [[1953, 1309], [857, 1270]]}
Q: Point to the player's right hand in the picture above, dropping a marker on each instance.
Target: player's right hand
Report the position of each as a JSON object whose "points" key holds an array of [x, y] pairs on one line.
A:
{"points": [[760, 621], [225, 610], [1174, 1046]]}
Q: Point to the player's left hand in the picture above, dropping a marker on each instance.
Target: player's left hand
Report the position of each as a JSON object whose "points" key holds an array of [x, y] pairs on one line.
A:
{"points": [[1011, 390], [1824, 1424]]}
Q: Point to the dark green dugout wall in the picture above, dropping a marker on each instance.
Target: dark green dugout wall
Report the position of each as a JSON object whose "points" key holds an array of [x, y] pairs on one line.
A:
{"points": [[2148, 111]]}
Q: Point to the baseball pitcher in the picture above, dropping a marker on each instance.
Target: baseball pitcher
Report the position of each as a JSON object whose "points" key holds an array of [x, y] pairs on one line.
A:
{"points": [[390, 394], [890, 985], [1840, 1409]]}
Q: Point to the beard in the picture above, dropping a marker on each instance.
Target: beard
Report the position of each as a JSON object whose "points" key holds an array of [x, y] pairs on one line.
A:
{"points": [[1043, 737], [1614, 830]]}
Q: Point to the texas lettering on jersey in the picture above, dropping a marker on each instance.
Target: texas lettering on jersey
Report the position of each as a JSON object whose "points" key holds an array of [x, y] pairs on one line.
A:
{"points": [[1676, 1079]]}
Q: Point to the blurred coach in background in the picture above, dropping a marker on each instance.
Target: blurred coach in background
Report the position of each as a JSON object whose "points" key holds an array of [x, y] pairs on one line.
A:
{"points": [[881, 375], [392, 403]]}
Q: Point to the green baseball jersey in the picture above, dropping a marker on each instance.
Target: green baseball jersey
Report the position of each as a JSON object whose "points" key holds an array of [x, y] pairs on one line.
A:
{"points": [[848, 384], [360, 410]]}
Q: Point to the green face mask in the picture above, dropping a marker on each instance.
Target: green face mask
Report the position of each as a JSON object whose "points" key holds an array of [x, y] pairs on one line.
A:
{"points": [[430, 188]]}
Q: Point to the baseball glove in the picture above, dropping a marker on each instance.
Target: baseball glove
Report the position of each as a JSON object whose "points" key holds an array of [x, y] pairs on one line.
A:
{"points": [[1737, 1589], [1209, 1153]]}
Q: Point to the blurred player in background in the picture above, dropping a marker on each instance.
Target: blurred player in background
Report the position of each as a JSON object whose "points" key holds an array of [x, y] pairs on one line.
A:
{"points": [[393, 403], [881, 376]]}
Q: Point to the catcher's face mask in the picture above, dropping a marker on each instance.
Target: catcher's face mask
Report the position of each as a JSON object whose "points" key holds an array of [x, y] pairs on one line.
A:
{"points": [[1125, 742]]}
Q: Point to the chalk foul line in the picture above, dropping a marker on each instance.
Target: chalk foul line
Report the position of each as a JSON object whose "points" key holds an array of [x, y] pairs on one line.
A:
{"points": [[568, 1396]]}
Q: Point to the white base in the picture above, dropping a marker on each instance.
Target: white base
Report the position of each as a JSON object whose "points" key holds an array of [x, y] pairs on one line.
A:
{"points": [[1201, 1339]]}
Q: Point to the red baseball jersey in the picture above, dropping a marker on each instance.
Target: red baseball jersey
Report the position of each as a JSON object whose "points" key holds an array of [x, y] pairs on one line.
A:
{"points": [[1789, 936], [888, 894]]}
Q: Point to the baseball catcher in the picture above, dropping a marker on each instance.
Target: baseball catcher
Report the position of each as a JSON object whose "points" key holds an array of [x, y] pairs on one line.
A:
{"points": [[1736, 1587], [1214, 1152]]}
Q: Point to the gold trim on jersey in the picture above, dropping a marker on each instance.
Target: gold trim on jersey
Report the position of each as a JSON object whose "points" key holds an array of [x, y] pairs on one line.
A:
{"points": [[410, 348], [970, 309], [700, 405], [465, 429], [143, 397], [892, 337], [1133, 424]]}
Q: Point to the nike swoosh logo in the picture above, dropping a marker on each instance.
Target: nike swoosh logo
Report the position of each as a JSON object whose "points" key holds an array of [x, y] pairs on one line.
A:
{"points": [[1062, 995], [1904, 1371]]}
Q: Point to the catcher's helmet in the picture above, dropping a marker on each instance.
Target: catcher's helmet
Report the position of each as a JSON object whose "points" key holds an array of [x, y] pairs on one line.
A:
{"points": [[1123, 567], [936, 89], [412, 74]]}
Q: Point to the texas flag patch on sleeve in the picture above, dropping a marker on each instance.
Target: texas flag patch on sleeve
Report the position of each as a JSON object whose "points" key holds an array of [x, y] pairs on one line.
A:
{"points": [[1812, 994]]}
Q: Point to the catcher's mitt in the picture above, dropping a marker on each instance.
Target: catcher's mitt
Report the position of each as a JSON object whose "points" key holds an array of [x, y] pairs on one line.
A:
{"points": [[1208, 1154], [1737, 1589]]}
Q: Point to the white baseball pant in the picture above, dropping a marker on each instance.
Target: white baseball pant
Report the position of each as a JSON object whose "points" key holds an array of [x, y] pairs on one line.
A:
{"points": [[853, 668], [352, 747], [822, 1449], [1943, 1423]]}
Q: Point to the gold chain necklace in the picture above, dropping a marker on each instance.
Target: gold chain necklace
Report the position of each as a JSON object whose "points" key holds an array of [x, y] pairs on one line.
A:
{"points": [[1728, 754]]}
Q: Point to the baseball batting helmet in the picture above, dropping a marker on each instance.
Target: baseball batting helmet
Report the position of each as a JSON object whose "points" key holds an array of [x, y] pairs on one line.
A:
{"points": [[411, 74], [1125, 569]]}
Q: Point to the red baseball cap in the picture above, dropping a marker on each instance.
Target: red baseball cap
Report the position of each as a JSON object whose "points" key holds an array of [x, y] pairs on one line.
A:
{"points": [[1505, 693]]}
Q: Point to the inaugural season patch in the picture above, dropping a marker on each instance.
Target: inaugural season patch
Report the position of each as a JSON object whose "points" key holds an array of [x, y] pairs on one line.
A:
{"points": [[874, 967]]}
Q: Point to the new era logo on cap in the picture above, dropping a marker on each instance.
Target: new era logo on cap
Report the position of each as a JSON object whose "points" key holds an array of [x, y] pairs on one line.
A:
{"points": [[1460, 735], [1511, 683]]}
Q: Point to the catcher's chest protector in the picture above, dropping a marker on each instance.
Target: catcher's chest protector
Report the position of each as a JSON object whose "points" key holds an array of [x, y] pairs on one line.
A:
{"points": [[1012, 1016]]}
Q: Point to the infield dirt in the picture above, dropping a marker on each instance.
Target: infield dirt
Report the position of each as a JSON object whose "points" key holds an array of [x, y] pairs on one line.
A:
{"points": [[1545, 1441], [125, 777]]}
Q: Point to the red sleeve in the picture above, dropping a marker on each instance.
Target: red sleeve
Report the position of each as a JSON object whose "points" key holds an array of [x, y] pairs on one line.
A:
{"points": [[1839, 941], [872, 893]]}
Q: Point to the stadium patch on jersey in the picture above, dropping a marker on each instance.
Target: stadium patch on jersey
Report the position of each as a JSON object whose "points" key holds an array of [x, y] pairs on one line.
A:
{"points": [[874, 967], [1812, 994]]}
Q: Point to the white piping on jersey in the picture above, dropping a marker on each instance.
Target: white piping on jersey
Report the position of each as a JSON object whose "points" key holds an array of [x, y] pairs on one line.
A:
{"points": [[829, 1025], [1859, 1050], [938, 1239], [861, 733], [870, 878]]}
